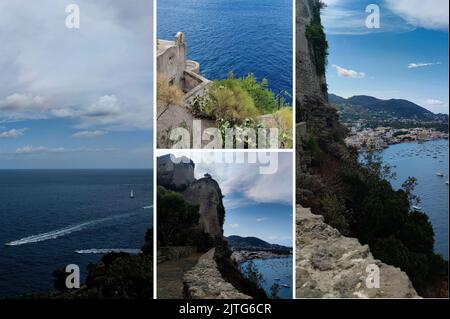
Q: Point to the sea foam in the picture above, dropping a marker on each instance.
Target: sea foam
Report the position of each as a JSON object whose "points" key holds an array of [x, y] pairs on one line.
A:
{"points": [[66, 230]]}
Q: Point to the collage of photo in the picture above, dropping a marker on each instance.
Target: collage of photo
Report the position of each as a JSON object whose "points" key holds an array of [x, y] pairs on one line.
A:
{"points": [[224, 149]]}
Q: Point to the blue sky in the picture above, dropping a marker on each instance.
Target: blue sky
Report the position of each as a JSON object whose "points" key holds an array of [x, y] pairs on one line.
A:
{"points": [[256, 205], [406, 58], [76, 98]]}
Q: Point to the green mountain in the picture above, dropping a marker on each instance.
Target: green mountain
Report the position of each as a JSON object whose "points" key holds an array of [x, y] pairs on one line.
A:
{"points": [[253, 243], [394, 107]]}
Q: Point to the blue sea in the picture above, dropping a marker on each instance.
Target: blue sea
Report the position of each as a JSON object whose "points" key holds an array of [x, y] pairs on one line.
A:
{"points": [[275, 270], [243, 36], [46, 216], [423, 161]]}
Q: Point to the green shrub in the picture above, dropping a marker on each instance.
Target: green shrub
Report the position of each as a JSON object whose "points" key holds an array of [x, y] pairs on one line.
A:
{"points": [[176, 217], [230, 102], [201, 240], [317, 39]]}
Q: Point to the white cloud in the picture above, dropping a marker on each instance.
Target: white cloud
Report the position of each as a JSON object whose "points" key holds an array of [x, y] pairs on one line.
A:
{"points": [[233, 225], [39, 149], [259, 220], [349, 16], [88, 134], [348, 73], [429, 14], [22, 106], [434, 102], [241, 182], [13, 133], [109, 112], [107, 105], [436, 105], [65, 73], [29, 149], [63, 112], [421, 65]]}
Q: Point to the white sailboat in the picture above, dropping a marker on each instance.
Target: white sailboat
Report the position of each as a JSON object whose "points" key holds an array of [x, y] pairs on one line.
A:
{"points": [[131, 194]]}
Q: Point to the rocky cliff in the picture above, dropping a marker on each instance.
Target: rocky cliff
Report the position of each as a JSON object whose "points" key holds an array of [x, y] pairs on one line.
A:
{"points": [[319, 133], [310, 81], [215, 275], [330, 265], [177, 174]]}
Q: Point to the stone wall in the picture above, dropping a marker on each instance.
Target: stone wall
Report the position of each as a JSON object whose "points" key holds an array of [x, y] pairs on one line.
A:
{"points": [[309, 82], [330, 265], [171, 59], [196, 85], [205, 281], [177, 174]]}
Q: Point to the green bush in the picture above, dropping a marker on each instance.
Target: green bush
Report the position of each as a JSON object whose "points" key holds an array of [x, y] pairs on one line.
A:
{"points": [[176, 217], [202, 241], [121, 276], [382, 218], [317, 39], [229, 101], [313, 146]]}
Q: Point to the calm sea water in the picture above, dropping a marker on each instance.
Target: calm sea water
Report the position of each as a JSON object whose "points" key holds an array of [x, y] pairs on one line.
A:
{"points": [[275, 270], [243, 36], [46, 216], [423, 161]]}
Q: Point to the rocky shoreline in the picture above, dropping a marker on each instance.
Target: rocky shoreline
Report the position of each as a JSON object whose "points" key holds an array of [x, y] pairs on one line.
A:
{"points": [[241, 256]]}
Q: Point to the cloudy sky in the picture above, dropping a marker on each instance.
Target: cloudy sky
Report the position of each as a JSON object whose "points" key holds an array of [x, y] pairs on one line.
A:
{"points": [[406, 58], [76, 98], [258, 205]]}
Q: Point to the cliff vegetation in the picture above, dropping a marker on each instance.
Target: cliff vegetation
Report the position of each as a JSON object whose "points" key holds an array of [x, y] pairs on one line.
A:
{"points": [[356, 197]]}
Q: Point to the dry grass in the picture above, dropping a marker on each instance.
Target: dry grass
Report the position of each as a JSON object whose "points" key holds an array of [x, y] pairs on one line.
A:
{"points": [[167, 94]]}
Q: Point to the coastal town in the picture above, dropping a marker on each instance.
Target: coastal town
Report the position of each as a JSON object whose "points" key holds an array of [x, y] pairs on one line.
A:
{"points": [[361, 136]]}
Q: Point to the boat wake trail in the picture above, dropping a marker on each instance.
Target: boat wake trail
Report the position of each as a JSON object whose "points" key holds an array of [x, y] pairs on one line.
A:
{"points": [[109, 250], [66, 230]]}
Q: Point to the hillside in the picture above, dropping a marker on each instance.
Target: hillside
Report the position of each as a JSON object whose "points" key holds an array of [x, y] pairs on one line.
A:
{"points": [[354, 199], [252, 243], [378, 110]]}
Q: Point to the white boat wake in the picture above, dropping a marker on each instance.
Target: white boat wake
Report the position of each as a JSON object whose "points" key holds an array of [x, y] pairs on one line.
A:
{"points": [[109, 250], [66, 230]]}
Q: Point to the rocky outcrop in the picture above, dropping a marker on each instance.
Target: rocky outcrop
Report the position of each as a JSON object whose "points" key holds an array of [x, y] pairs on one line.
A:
{"points": [[309, 82], [205, 281], [206, 193], [177, 174], [330, 265]]}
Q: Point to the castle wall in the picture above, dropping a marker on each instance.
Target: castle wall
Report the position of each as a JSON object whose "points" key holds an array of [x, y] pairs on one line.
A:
{"points": [[204, 192], [171, 62], [175, 176], [310, 84]]}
